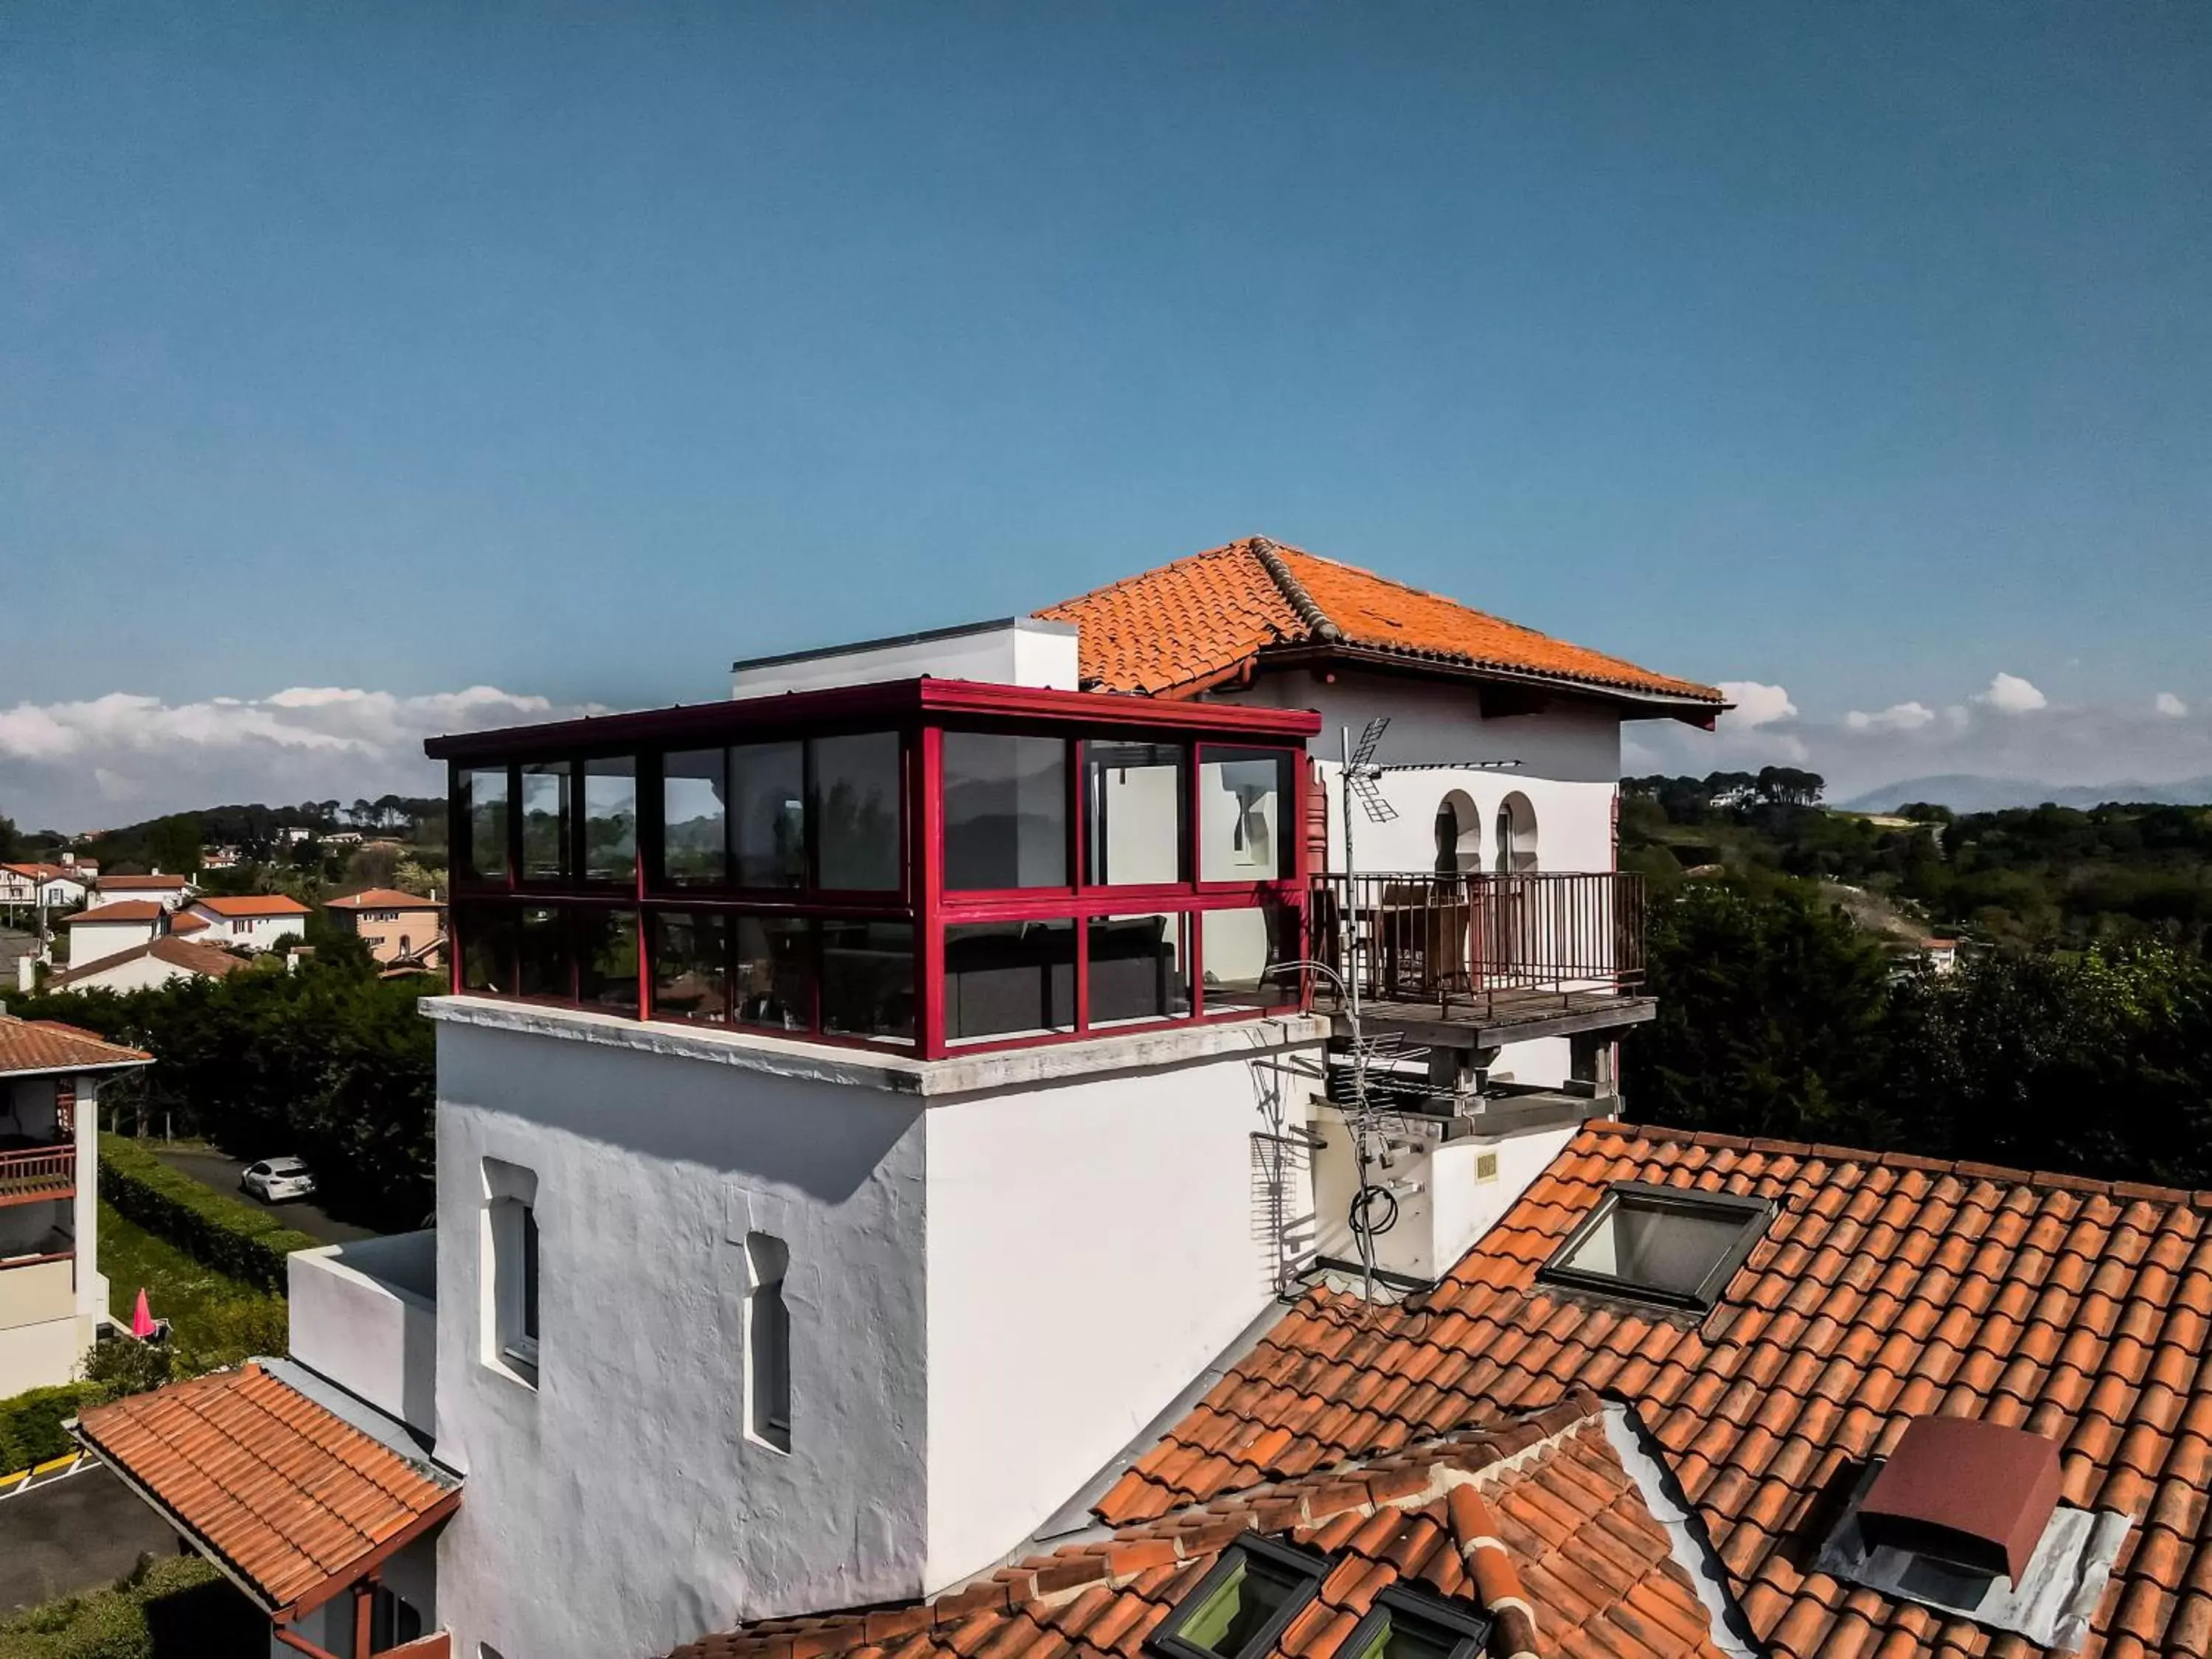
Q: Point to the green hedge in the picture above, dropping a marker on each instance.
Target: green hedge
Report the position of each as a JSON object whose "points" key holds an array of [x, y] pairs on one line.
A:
{"points": [[170, 1608], [231, 1236], [31, 1423]]}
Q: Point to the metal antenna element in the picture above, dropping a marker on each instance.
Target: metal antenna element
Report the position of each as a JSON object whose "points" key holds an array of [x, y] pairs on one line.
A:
{"points": [[1360, 773]]}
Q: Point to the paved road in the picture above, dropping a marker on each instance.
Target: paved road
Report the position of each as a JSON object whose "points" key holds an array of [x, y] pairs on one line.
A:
{"points": [[221, 1173], [74, 1535]]}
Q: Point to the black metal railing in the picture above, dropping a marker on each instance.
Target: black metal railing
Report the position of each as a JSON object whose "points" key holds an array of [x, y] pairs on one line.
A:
{"points": [[1468, 941]]}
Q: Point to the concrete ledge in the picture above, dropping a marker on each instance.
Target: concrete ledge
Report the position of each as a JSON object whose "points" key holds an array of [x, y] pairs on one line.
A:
{"points": [[931, 1080]]}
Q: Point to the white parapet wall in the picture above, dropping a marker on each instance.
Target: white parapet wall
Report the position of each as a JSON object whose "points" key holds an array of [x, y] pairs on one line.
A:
{"points": [[365, 1315], [1013, 651]]}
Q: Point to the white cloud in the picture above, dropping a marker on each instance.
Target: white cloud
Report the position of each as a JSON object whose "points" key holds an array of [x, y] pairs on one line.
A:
{"points": [[71, 765], [1755, 704], [2170, 706], [2008, 694], [1898, 717]]}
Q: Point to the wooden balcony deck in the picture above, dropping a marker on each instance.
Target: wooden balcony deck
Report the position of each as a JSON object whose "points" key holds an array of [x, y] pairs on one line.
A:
{"points": [[40, 1172], [1489, 1018]]}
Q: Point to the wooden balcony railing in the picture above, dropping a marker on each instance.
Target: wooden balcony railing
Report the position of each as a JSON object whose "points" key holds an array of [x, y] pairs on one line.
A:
{"points": [[1468, 941], [38, 1173]]}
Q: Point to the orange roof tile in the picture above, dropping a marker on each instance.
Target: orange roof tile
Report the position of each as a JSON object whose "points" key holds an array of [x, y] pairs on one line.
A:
{"points": [[121, 910], [1440, 1517], [1187, 626], [143, 884], [293, 1500], [185, 922], [384, 898], [47, 1045], [204, 959], [1888, 1286], [251, 904], [43, 872]]}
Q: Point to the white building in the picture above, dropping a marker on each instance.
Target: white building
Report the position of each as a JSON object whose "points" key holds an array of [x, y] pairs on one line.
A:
{"points": [[825, 1066], [48, 884], [256, 921], [157, 963], [169, 891], [52, 1298], [109, 930]]}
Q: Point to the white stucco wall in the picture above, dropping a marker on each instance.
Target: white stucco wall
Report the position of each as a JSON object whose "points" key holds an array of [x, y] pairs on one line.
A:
{"points": [[1092, 1247], [1019, 651], [91, 941], [144, 973], [625, 1478], [260, 933], [358, 1318]]}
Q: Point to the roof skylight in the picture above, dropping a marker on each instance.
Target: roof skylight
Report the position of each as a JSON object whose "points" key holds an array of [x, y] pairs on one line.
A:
{"points": [[1243, 1603], [1669, 1245], [1404, 1624]]}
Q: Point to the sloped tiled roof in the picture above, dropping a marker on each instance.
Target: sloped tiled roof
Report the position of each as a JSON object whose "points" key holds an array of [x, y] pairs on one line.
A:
{"points": [[185, 922], [251, 904], [204, 959], [291, 1497], [143, 884], [47, 1045], [1191, 624], [43, 872], [1486, 1517], [121, 910], [384, 898], [1886, 1287]]}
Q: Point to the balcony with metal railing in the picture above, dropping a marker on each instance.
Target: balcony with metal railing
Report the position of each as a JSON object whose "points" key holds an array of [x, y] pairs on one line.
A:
{"points": [[1477, 960]]}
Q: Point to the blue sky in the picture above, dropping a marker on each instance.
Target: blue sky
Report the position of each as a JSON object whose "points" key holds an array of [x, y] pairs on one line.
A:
{"points": [[1861, 352]]}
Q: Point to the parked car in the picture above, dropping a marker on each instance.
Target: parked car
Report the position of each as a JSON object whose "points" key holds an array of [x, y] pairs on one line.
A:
{"points": [[276, 1179]]}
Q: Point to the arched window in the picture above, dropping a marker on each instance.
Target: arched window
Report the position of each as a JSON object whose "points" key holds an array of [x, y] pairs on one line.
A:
{"points": [[1459, 835], [1516, 836]]}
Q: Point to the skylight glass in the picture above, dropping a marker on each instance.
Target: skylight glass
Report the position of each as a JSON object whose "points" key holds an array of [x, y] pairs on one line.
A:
{"points": [[1662, 1244], [1406, 1624], [1243, 1604]]}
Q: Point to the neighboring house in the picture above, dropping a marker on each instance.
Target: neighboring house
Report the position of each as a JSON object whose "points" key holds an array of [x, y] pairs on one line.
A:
{"points": [[49, 884], [220, 858], [170, 892], [402, 929], [156, 963], [185, 924], [253, 922], [52, 1298], [891, 1108], [108, 930]]}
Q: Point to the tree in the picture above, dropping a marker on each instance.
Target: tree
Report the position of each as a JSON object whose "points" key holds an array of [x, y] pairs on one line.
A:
{"points": [[172, 844]]}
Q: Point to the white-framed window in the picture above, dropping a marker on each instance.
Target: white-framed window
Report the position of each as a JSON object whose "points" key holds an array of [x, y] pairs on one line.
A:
{"points": [[510, 1270], [767, 1342]]}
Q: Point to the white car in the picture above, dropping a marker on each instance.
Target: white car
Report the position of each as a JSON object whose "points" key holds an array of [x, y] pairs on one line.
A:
{"points": [[276, 1179]]}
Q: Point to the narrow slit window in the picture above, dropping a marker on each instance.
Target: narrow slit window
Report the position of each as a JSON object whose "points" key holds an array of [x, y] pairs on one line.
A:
{"points": [[510, 1250], [1243, 1604], [1672, 1246], [767, 1342]]}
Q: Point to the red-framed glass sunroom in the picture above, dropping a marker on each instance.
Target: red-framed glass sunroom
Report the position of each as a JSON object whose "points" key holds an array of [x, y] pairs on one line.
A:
{"points": [[932, 867]]}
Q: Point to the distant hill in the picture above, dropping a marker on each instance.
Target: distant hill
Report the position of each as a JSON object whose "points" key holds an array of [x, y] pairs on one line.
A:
{"points": [[1963, 792]]}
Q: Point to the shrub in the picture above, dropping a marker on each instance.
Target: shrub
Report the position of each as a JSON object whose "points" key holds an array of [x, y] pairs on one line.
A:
{"points": [[31, 1423], [231, 1237], [163, 1608]]}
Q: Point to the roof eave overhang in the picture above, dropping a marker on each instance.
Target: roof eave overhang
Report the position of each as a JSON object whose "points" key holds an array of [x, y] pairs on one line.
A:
{"points": [[1632, 702], [74, 1067]]}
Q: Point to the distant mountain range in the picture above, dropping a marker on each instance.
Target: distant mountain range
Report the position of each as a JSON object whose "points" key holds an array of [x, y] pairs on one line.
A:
{"points": [[1962, 792]]}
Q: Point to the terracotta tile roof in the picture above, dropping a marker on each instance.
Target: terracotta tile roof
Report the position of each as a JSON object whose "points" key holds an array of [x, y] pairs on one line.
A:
{"points": [[204, 959], [43, 872], [185, 922], [47, 1045], [251, 904], [384, 898], [1535, 1523], [143, 884], [1187, 626], [1886, 1287], [293, 1500], [121, 910]]}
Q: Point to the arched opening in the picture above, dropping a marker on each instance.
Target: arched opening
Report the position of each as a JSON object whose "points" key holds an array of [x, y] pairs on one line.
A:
{"points": [[1459, 835], [1516, 836]]}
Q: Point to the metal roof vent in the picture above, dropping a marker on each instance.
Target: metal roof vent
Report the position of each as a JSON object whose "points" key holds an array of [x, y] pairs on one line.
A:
{"points": [[1970, 1493], [1964, 1516]]}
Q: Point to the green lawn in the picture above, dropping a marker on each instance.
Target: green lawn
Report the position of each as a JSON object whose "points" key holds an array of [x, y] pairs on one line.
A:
{"points": [[178, 1288]]}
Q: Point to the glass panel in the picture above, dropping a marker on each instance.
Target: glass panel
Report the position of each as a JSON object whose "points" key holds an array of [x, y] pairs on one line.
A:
{"points": [[488, 948], [545, 820], [1657, 1246], [691, 966], [867, 978], [1398, 1637], [484, 796], [610, 819], [542, 964], [1244, 797], [1007, 976], [768, 808], [1132, 813], [1140, 968], [607, 960], [776, 972], [693, 849], [1005, 811], [1230, 1616], [1238, 947], [856, 811]]}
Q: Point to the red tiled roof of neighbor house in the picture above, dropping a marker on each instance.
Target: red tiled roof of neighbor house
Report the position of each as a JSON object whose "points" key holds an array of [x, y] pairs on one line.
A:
{"points": [[185, 922], [1886, 1287], [1481, 1518], [296, 1500], [203, 959], [143, 884], [384, 898], [121, 910], [253, 904], [47, 1045], [42, 871], [1203, 620]]}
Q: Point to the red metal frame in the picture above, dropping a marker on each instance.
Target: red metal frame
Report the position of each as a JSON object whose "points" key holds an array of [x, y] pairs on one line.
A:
{"points": [[920, 711]]}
